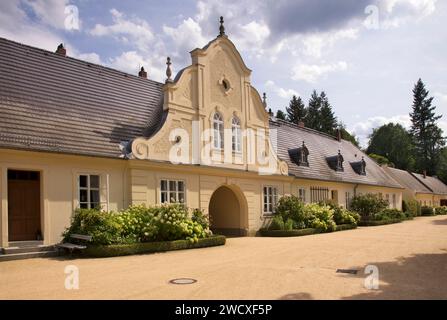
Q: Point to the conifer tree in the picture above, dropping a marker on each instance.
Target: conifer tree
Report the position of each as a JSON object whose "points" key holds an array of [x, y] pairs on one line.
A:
{"points": [[426, 135], [328, 121], [312, 119], [296, 111], [280, 115]]}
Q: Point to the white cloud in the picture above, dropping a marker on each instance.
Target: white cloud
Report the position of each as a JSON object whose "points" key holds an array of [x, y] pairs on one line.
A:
{"points": [[186, 36], [131, 61], [442, 97], [15, 25], [396, 13], [314, 44], [313, 72], [281, 92], [50, 12], [363, 129], [90, 57], [133, 30], [252, 36]]}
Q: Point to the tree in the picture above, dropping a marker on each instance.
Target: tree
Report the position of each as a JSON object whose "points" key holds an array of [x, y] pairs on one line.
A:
{"points": [[381, 160], [328, 121], [393, 142], [347, 136], [426, 135], [442, 166], [296, 111], [313, 112], [280, 115]]}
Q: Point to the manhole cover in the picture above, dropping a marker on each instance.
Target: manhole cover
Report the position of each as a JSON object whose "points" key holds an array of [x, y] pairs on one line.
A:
{"points": [[183, 281], [350, 271]]}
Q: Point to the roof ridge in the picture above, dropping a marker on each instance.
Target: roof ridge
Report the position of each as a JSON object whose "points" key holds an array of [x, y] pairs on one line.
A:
{"points": [[293, 125], [78, 60], [413, 174]]}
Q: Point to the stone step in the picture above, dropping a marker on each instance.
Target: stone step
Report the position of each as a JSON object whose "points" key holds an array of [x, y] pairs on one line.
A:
{"points": [[28, 255], [29, 243], [26, 249]]}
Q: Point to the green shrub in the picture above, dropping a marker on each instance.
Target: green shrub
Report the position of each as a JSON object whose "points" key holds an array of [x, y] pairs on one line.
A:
{"points": [[200, 218], [320, 217], [442, 210], [413, 207], [288, 233], [368, 223], [137, 223], [427, 211], [288, 224], [114, 250], [277, 223], [368, 205], [290, 207], [404, 206], [102, 226], [394, 213], [140, 224], [342, 215]]}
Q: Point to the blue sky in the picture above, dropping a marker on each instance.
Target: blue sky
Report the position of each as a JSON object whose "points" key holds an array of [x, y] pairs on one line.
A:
{"points": [[366, 54]]}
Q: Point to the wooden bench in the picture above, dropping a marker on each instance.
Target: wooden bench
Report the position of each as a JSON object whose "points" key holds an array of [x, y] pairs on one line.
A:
{"points": [[71, 246]]}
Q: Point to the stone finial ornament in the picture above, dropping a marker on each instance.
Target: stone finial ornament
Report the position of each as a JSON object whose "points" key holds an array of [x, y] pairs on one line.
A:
{"points": [[264, 100], [168, 70], [221, 28]]}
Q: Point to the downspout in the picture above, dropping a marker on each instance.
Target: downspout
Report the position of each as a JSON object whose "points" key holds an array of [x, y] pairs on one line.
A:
{"points": [[355, 189]]}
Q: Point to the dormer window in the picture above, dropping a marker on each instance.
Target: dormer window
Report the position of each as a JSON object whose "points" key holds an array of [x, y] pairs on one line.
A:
{"points": [[336, 162], [300, 155], [359, 167]]}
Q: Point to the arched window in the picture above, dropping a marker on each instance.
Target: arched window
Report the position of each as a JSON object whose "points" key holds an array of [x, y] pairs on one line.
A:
{"points": [[218, 131], [236, 134]]}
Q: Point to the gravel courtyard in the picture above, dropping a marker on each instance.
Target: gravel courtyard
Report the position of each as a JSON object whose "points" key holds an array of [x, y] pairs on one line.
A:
{"points": [[411, 258]]}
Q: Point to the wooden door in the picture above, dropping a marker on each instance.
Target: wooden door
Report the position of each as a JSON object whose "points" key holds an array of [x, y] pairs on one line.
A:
{"points": [[23, 205]]}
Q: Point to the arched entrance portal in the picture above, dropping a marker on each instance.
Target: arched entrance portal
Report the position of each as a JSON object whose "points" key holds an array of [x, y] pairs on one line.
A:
{"points": [[228, 211]]}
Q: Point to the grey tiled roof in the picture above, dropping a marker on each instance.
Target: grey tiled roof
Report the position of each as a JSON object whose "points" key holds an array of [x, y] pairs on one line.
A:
{"points": [[436, 185], [407, 180], [49, 102], [320, 147]]}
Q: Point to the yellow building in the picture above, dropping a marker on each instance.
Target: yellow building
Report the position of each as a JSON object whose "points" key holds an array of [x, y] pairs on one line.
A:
{"points": [[428, 191], [75, 134]]}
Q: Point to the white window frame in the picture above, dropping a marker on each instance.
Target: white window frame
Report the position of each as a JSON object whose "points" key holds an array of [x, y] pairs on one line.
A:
{"points": [[236, 136], [302, 194], [89, 189], [218, 131], [394, 201], [269, 199], [168, 191]]}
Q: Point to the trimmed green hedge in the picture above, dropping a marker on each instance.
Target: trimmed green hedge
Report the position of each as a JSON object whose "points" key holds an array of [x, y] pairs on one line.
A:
{"points": [[371, 223], [301, 232], [342, 227], [97, 251]]}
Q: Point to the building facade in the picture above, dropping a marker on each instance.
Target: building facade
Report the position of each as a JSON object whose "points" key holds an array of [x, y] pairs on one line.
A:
{"points": [[427, 190], [79, 135]]}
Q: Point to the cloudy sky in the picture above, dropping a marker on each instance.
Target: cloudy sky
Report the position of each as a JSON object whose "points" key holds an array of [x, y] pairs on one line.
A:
{"points": [[366, 54]]}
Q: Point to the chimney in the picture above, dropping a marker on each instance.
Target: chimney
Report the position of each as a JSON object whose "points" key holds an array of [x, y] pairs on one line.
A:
{"points": [[61, 50], [424, 173], [338, 132], [301, 124], [142, 73]]}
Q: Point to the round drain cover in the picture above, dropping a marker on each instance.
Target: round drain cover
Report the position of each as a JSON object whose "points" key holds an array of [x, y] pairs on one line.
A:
{"points": [[183, 281]]}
